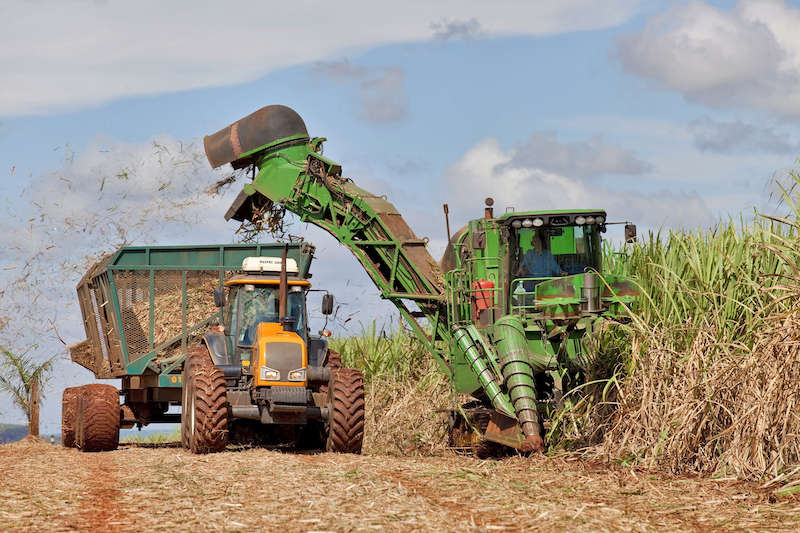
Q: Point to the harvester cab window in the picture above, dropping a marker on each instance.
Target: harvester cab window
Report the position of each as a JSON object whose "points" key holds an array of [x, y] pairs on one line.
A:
{"points": [[552, 252]]}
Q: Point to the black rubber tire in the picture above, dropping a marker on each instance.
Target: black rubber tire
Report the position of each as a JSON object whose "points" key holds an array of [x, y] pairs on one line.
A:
{"points": [[333, 359], [197, 355], [69, 403], [97, 418], [208, 409], [345, 411]]}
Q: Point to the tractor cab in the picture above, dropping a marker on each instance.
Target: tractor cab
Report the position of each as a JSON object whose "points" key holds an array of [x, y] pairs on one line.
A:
{"points": [[254, 319]]}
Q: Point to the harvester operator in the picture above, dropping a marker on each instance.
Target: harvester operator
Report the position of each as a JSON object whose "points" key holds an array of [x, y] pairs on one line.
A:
{"points": [[539, 262]]}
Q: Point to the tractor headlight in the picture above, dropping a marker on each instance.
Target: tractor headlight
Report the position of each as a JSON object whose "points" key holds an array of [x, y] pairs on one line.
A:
{"points": [[537, 222], [590, 220], [599, 220], [527, 223], [269, 374], [580, 221], [517, 224], [297, 375]]}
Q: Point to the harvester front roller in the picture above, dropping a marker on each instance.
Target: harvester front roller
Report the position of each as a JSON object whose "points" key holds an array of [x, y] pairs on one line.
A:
{"points": [[346, 411], [69, 404], [97, 418], [207, 412]]}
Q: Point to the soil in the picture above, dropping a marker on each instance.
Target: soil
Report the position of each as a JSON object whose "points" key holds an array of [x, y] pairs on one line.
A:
{"points": [[146, 487]]}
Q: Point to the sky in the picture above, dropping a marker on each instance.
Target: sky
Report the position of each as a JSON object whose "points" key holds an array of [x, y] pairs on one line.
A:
{"points": [[669, 115]]}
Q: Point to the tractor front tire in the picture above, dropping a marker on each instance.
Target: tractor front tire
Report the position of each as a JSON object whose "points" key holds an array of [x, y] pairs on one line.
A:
{"points": [[69, 403], [208, 409], [97, 418], [345, 411]]}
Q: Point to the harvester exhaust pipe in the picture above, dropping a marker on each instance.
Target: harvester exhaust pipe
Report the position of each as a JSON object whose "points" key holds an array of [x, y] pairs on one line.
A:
{"points": [[512, 350], [591, 292], [286, 321]]}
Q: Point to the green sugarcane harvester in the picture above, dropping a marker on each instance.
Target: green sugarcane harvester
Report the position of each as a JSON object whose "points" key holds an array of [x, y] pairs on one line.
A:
{"points": [[509, 338]]}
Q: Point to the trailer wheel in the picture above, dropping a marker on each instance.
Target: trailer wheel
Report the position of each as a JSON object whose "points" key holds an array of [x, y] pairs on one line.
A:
{"points": [[69, 403], [197, 355], [97, 418], [346, 411], [208, 409]]}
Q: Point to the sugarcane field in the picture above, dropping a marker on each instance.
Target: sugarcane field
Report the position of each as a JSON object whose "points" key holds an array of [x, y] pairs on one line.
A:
{"points": [[401, 266]]}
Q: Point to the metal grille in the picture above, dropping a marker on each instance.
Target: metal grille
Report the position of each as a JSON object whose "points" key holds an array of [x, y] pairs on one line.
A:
{"points": [[133, 295], [171, 315]]}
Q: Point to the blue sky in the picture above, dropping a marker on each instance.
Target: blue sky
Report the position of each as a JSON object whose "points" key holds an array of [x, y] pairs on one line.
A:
{"points": [[667, 114]]}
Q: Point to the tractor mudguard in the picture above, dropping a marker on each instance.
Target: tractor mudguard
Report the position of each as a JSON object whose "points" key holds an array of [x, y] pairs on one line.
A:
{"points": [[215, 341], [317, 348]]}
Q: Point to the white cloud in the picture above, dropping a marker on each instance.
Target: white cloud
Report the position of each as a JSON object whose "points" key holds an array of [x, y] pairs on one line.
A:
{"points": [[580, 159], [735, 135], [450, 30], [110, 194], [380, 92], [746, 56], [485, 171], [57, 55]]}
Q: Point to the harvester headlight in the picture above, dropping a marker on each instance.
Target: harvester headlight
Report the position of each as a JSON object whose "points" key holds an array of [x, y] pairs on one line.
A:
{"points": [[537, 222], [297, 375], [517, 224], [599, 220], [527, 223], [590, 220], [269, 374], [580, 221]]}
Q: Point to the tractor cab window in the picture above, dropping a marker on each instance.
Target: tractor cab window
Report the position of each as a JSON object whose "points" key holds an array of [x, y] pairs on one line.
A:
{"points": [[553, 252], [262, 304], [231, 305]]}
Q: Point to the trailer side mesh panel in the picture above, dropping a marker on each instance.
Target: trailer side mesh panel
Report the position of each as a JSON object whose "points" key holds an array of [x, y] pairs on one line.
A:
{"points": [[133, 292]]}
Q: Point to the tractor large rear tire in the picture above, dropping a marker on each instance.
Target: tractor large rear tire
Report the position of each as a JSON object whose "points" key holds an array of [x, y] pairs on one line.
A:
{"points": [[333, 359], [69, 403], [346, 411], [196, 356], [97, 418], [208, 409]]}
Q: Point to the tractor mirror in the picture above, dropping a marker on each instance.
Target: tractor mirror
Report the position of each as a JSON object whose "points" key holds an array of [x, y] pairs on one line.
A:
{"points": [[219, 296], [630, 233], [327, 304]]}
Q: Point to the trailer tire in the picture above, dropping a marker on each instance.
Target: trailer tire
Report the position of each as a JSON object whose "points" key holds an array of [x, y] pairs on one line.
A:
{"points": [[346, 411], [208, 409], [69, 403], [97, 418]]}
